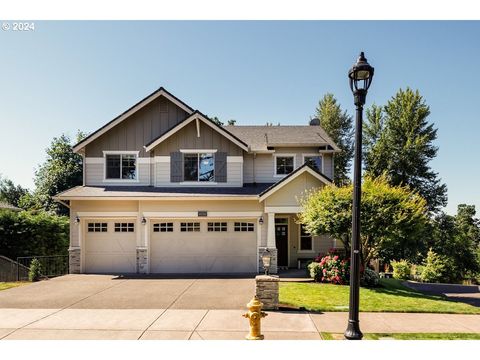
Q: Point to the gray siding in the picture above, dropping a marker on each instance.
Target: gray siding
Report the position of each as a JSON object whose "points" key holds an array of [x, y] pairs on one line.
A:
{"points": [[264, 164], [186, 138], [139, 129], [95, 175]]}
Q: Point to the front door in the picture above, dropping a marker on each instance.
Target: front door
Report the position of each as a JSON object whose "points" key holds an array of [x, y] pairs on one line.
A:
{"points": [[281, 239]]}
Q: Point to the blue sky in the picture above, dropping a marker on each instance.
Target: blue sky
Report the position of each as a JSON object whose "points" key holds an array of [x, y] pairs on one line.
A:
{"points": [[66, 76]]}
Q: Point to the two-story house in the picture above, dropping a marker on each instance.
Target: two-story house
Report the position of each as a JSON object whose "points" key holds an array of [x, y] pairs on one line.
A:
{"points": [[166, 190]]}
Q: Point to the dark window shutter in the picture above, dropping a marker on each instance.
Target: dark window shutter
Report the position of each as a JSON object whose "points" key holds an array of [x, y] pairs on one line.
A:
{"points": [[221, 167], [176, 163]]}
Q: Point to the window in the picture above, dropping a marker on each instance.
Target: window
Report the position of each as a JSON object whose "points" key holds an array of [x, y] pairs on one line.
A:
{"points": [[306, 243], [124, 227], [284, 164], [97, 227], [163, 227], [314, 161], [244, 226], [198, 167], [217, 226], [190, 227], [121, 166]]}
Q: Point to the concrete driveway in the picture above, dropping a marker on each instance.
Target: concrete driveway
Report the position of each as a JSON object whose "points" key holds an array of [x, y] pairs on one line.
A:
{"points": [[112, 292]]}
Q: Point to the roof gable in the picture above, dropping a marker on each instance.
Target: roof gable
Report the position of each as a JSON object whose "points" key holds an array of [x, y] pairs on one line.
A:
{"points": [[305, 168], [142, 103], [196, 116]]}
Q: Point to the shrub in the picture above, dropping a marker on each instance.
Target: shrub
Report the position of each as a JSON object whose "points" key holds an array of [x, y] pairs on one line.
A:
{"points": [[416, 272], [438, 268], [370, 278], [401, 270], [330, 269], [35, 270]]}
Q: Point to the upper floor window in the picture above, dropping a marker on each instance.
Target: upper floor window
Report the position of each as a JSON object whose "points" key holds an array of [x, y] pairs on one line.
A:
{"points": [[284, 164], [198, 167], [120, 166], [314, 161]]}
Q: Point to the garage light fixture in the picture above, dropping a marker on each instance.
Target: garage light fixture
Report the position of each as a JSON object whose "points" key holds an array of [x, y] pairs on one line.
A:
{"points": [[260, 221], [144, 221], [77, 220]]}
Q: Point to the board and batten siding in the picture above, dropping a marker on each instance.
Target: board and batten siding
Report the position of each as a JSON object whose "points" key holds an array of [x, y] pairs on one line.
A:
{"points": [[265, 164], [187, 138], [95, 173], [139, 129]]}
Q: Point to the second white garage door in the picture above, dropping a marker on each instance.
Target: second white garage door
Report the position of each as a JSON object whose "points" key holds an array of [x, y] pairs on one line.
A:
{"points": [[206, 246], [110, 246]]}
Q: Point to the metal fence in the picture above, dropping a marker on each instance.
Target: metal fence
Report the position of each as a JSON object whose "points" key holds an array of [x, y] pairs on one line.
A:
{"points": [[10, 269], [50, 266]]}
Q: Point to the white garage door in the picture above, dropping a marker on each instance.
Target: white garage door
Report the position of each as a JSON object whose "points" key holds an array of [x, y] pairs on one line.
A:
{"points": [[206, 246], [110, 246]]}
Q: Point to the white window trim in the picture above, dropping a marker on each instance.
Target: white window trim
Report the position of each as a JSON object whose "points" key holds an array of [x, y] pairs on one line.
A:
{"points": [[275, 164], [197, 151], [317, 154], [118, 152], [198, 182], [300, 251]]}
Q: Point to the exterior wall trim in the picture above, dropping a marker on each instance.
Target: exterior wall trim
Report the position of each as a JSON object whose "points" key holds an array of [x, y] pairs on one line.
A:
{"points": [[194, 214], [195, 151]]}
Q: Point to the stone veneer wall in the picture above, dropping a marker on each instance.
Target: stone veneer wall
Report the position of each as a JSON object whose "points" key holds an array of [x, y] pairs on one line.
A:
{"points": [[273, 261], [74, 258], [266, 290], [142, 256]]}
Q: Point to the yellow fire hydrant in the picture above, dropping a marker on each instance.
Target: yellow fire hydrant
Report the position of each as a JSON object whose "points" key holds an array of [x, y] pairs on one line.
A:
{"points": [[255, 315]]}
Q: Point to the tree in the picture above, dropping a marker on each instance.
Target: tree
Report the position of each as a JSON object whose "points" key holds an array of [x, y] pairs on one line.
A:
{"points": [[456, 239], [399, 142], [338, 125], [217, 121], [62, 170], [391, 217], [11, 193]]}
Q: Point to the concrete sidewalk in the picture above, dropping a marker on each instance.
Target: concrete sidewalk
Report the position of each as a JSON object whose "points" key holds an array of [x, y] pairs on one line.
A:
{"points": [[210, 324]]}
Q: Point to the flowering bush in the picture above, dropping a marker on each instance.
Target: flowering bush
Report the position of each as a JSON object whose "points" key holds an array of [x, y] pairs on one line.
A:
{"points": [[330, 269]]}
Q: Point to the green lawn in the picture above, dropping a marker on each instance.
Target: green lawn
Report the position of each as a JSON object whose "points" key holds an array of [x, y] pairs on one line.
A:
{"points": [[8, 285], [392, 296], [409, 336]]}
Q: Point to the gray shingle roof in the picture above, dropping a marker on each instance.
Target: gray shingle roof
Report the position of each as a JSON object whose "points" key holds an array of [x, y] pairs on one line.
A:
{"points": [[153, 192], [261, 137]]}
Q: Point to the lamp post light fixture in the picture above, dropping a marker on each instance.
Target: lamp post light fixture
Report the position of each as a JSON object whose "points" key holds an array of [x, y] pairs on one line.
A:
{"points": [[360, 76], [266, 261]]}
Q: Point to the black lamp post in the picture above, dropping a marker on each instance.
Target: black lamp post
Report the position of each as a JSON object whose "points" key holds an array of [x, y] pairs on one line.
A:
{"points": [[360, 76]]}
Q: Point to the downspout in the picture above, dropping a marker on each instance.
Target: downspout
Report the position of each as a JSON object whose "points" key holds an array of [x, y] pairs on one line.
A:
{"points": [[83, 168], [253, 162]]}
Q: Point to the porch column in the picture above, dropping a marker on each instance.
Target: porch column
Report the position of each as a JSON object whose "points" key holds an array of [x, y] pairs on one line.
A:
{"points": [[271, 231]]}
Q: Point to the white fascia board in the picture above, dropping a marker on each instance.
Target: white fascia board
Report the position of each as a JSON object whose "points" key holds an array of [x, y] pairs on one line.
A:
{"points": [[145, 102], [306, 169], [173, 197], [188, 121]]}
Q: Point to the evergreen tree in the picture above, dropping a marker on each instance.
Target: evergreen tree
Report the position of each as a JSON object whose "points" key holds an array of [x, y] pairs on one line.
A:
{"points": [[61, 171], [338, 125], [399, 142], [11, 193]]}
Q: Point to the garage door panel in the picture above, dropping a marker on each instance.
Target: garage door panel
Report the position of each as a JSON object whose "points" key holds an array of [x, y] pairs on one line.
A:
{"points": [[203, 251], [110, 251]]}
